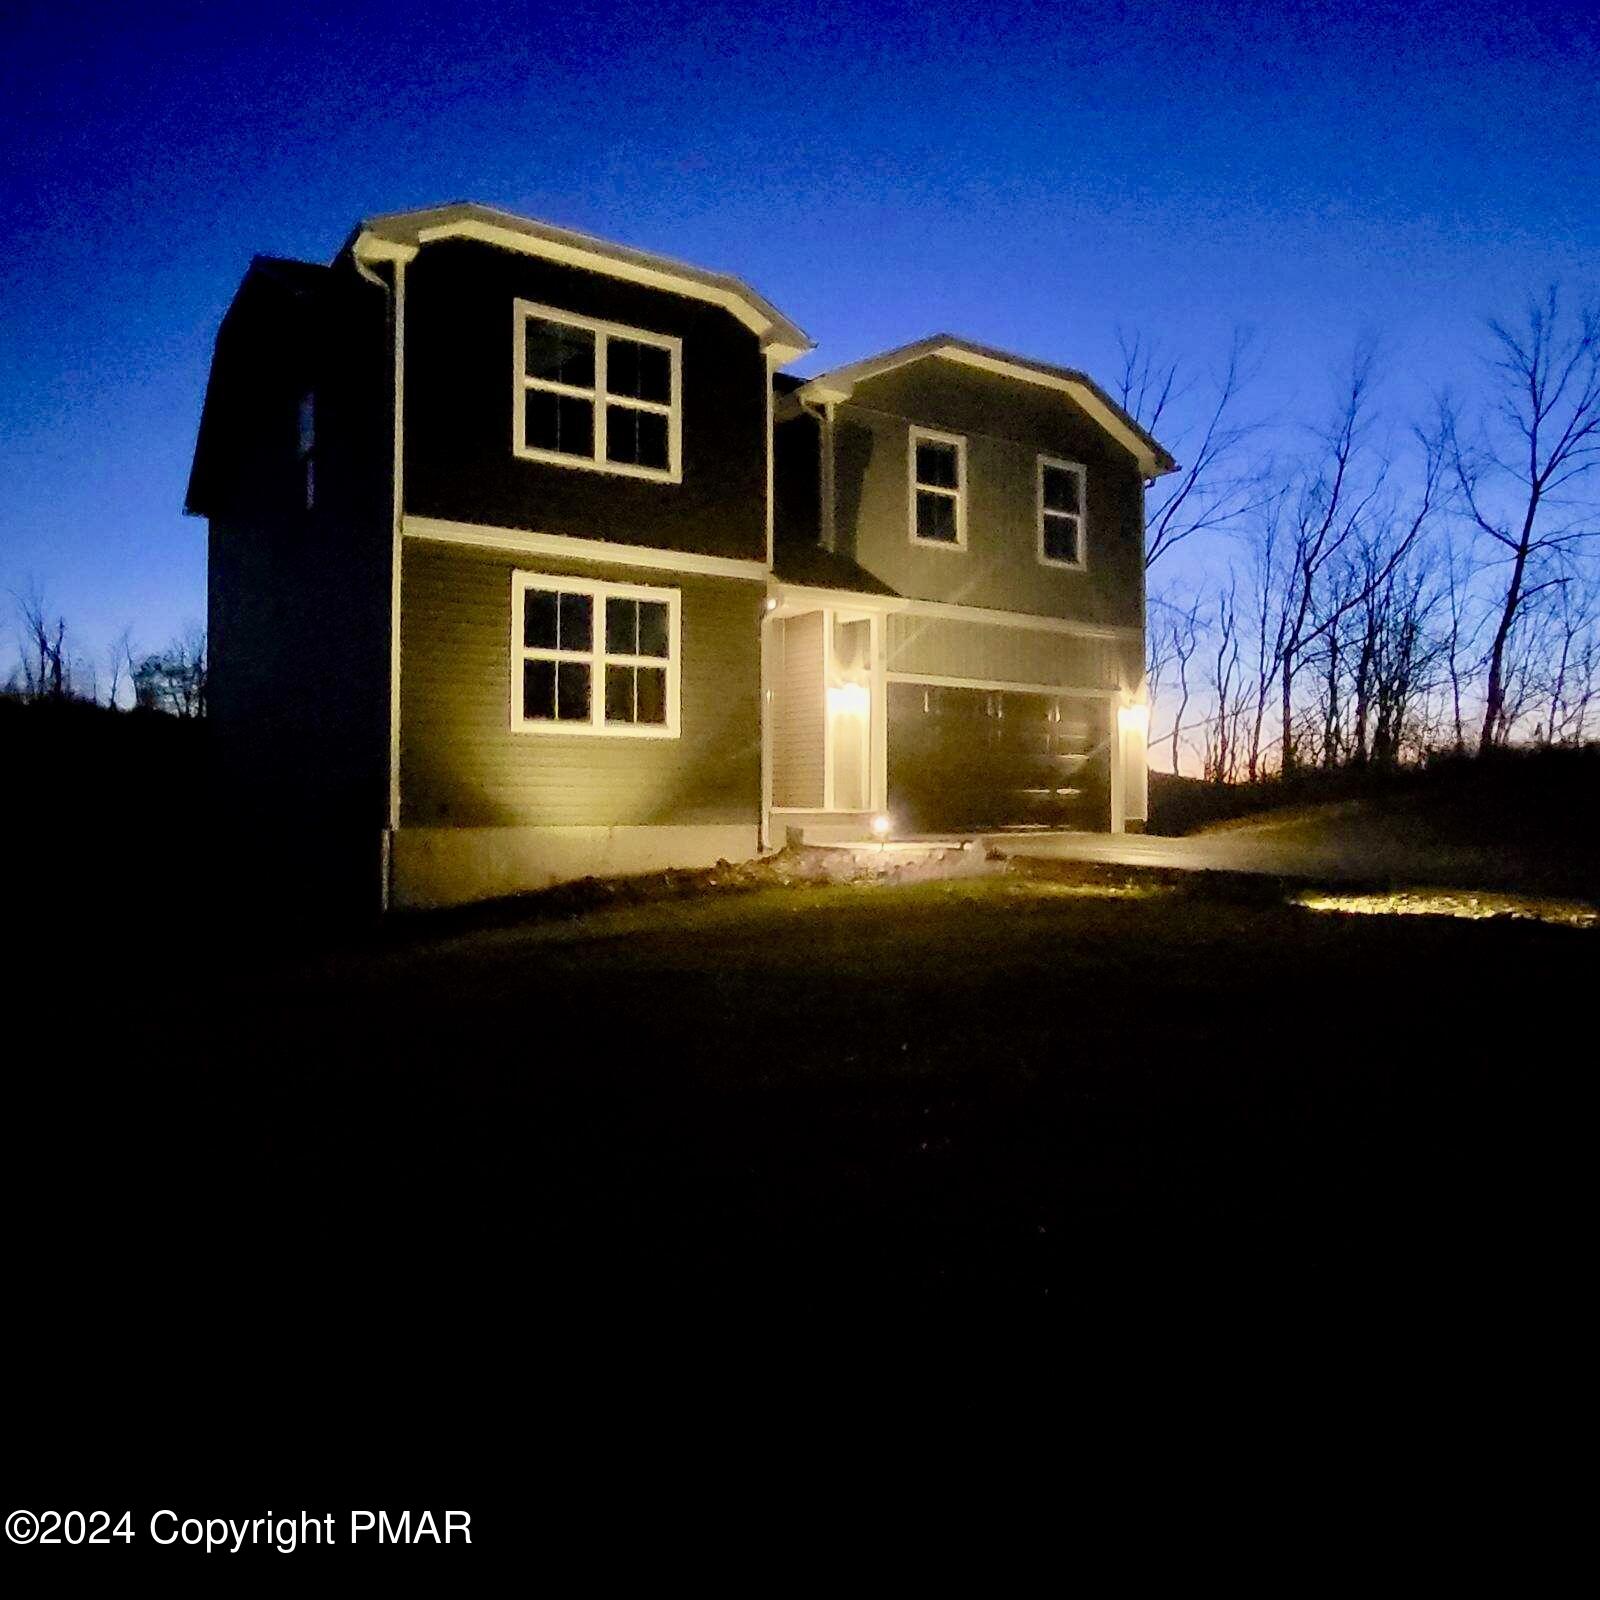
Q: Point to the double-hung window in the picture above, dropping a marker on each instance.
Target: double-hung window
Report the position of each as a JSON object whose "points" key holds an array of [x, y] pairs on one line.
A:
{"points": [[593, 658], [597, 395], [1060, 503], [938, 489]]}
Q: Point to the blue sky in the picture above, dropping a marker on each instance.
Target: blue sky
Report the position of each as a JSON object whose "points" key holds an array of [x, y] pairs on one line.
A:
{"points": [[1029, 175]]}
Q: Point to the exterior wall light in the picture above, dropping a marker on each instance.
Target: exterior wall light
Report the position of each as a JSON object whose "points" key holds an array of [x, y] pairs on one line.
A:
{"points": [[881, 825], [1134, 719]]}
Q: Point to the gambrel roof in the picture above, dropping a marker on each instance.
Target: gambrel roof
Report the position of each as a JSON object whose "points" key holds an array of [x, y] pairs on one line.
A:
{"points": [[408, 231], [840, 383]]}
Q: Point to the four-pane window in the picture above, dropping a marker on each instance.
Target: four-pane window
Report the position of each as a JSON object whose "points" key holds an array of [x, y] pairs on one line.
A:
{"points": [[938, 489], [596, 395], [1060, 513], [594, 657]]}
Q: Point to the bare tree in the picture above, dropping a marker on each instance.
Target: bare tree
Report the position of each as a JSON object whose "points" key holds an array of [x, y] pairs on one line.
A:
{"points": [[46, 664], [1520, 477], [1216, 488], [1327, 511], [1461, 639], [119, 662], [174, 680], [1221, 755], [1266, 572], [1180, 632], [1337, 596], [1334, 502]]}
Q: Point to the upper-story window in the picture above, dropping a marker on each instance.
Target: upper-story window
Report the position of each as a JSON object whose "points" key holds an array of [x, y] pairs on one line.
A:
{"points": [[938, 489], [597, 395], [1061, 502]]}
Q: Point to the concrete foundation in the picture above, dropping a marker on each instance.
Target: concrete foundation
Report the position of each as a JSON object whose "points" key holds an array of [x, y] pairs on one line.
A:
{"points": [[449, 866]]}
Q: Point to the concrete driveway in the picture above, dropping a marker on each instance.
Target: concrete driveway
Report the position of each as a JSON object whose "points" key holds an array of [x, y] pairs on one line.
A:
{"points": [[1261, 849]]}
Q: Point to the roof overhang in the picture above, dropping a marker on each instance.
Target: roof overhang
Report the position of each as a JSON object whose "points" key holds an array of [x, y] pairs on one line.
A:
{"points": [[839, 385], [399, 235]]}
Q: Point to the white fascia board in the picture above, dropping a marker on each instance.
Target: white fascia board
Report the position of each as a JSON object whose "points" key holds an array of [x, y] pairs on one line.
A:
{"points": [[787, 342], [1080, 392], [840, 386], [805, 596], [369, 247], [562, 547], [1024, 620], [1004, 685]]}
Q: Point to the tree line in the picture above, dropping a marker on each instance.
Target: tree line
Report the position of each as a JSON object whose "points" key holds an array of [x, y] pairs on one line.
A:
{"points": [[50, 667], [1355, 600]]}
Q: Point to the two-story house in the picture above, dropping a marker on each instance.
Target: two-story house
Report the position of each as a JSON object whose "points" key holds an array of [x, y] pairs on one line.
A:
{"points": [[528, 562]]}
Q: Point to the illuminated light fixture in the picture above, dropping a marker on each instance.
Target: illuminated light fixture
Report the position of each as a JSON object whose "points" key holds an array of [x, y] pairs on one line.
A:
{"points": [[852, 699], [772, 602], [1134, 718], [881, 825]]}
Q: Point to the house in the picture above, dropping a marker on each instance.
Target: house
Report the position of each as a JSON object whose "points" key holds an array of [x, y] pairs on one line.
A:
{"points": [[529, 561]]}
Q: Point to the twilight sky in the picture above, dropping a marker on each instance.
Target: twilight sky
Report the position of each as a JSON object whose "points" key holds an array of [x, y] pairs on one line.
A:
{"points": [[1028, 175]]}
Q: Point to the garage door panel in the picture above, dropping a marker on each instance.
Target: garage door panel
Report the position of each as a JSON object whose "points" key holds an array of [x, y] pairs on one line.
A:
{"points": [[965, 759]]}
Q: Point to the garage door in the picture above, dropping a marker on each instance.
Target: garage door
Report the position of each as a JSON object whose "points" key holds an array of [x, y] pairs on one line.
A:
{"points": [[962, 760]]}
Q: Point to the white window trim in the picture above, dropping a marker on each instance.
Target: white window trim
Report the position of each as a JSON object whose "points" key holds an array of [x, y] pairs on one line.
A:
{"points": [[603, 332], [597, 658], [958, 494], [1081, 564]]}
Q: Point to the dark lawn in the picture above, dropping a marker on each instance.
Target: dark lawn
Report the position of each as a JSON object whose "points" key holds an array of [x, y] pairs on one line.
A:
{"points": [[529, 1212], [973, 1091]]}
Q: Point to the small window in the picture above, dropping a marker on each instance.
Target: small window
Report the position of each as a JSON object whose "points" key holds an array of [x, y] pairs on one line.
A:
{"points": [[596, 395], [938, 489], [1061, 513], [593, 657]]}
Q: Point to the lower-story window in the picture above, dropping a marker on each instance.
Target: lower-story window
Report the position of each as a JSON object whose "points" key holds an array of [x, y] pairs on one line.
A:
{"points": [[594, 658]]}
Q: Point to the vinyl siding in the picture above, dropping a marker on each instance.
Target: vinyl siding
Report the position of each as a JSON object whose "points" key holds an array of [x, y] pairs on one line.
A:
{"points": [[1007, 425], [461, 763], [797, 746], [942, 648], [459, 460], [297, 599]]}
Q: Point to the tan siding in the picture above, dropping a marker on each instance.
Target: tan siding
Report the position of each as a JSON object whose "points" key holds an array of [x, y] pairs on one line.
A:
{"points": [[461, 762], [938, 647], [797, 745]]}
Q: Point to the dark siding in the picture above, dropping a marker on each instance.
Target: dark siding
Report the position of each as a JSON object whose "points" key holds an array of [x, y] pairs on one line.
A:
{"points": [[796, 486], [462, 764], [326, 332], [297, 602], [459, 461], [1007, 423]]}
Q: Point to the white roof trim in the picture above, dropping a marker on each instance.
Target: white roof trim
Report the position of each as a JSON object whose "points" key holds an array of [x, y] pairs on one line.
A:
{"points": [[783, 590], [560, 546], [839, 385], [779, 336]]}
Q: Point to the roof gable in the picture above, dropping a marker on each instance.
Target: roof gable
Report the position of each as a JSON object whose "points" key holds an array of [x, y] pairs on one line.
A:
{"points": [[405, 232], [839, 384]]}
